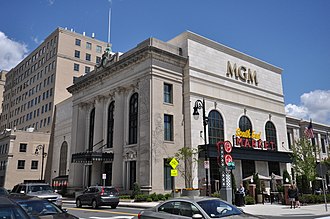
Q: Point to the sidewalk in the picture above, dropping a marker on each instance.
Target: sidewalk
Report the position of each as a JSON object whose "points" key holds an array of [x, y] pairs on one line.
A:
{"points": [[259, 209]]}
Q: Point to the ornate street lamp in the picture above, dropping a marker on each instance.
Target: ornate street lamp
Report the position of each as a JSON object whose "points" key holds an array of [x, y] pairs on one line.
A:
{"points": [[199, 104], [40, 149]]}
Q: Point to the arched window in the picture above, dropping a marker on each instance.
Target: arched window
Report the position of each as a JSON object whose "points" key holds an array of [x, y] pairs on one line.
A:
{"points": [[110, 124], [91, 129], [133, 118], [245, 124], [271, 134], [63, 159], [215, 126]]}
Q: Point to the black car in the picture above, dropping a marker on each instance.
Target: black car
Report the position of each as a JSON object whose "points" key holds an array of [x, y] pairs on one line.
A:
{"points": [[11, 210], [98, 196], [3, 191], [40, 208]]}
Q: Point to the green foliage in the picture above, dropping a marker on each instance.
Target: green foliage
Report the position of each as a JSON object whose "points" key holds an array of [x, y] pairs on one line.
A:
{"points": [[125, 197], [188, 157], [149, 199], [136, 190], [167, 196], [141, 198], [249, 200], [313, 199], [215, 195], [256, 180], [161, 197], [304, 158]]}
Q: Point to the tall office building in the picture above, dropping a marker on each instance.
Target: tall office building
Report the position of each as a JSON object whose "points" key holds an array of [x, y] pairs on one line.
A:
{"points": [[2, 85], [39, 82]]}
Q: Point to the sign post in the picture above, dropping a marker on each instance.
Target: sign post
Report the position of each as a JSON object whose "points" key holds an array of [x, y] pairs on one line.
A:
{"points": [[322, 169], [104, 176], [174, 172]]}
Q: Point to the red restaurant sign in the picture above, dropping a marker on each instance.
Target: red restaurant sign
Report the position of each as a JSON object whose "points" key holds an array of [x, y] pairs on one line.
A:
{"points": [[252, 140]]}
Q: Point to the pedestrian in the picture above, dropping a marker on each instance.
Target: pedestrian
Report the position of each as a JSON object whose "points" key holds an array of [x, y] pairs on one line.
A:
{"points": [[292, 193], [241, 190]]}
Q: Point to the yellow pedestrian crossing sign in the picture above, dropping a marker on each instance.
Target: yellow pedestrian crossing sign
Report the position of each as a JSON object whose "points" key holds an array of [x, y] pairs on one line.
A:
{"points": [[174, 172], [174, 163]]}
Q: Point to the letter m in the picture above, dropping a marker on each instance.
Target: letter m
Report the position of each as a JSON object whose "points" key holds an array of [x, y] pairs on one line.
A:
{"points": [[231, 70]]}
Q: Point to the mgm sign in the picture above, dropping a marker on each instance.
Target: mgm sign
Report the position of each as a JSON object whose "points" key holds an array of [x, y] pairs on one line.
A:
{"points": [[242, 73]]}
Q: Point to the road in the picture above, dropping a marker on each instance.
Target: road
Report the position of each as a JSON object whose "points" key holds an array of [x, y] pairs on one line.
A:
{"points": [[102, 212]]}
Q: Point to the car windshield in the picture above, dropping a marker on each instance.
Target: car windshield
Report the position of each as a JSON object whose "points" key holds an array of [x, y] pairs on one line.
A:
{"points": [[39, 207], [40, 188], [3, 191], [216, 208], [12, 213]]}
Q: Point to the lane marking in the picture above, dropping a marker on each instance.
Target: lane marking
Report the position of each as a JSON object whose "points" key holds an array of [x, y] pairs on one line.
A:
{"points": [[103, 211]]}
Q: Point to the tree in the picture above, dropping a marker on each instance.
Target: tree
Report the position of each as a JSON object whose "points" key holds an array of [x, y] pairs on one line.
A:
{"points": [[304, 159], [189, 157]]}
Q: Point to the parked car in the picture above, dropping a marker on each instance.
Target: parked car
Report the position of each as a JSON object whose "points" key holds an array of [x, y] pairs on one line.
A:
{"points": [[193, 207], [98, 196], [41, 190], [40, 208], [11, 210], [3, 191]]}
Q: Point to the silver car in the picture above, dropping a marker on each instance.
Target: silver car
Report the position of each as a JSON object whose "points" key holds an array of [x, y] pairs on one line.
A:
{"points": [[193, 207]]}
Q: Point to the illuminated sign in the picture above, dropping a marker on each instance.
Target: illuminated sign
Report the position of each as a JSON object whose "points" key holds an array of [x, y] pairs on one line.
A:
{"points": [[252, 140], [242, 73]]}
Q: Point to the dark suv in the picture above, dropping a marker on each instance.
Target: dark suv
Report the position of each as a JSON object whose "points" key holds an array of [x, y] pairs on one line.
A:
{"points": [[10, 209], [98, 196], [41, 190]]}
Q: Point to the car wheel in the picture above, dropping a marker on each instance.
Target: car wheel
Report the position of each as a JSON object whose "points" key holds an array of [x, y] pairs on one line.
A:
{"points": [[113, 206], [78, 203], [94, 204]]}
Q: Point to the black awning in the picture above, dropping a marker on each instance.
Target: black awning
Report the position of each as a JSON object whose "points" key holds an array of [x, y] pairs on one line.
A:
{"points": [[239, 153], [90, 156]]}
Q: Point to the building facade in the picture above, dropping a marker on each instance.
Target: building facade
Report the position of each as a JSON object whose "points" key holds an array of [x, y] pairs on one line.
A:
{"points": [[39, 82], [23, 156], [2, 86], [135, 111]]}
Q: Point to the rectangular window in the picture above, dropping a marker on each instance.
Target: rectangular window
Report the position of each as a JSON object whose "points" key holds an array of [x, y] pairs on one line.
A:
{"points": [[98, 59], [289, 140], [168, 127], [78, 42], [76, 67], [168, 180], [88, 57], [98, 49], [22, 147], [168, 93], [88, 45], [323, 144], [34, 165], [21, 164], [77, 54], [87, 69]]}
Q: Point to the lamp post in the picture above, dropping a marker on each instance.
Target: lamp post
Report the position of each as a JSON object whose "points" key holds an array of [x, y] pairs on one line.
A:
{"points": [[40, 149], [199, 104]]}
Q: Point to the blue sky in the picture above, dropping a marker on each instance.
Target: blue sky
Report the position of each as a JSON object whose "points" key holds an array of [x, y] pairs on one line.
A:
{"points": [[293, 35]]}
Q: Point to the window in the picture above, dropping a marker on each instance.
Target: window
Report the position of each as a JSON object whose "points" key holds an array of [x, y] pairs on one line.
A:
{"points": [[245, 124], [91, 129], [271, 135], [168, 93], [98, 59], [34, 165], [20, 164], [88, 57], [133, 118], [168, 180], [78, 42], [289, 140], [77, 54], [132, 174], [63, 158], [168, 127], [323, 143], [87, 69], [76, 67], [88, 45], [98, 49], [22, 147], [110, 124], [215, 127]]}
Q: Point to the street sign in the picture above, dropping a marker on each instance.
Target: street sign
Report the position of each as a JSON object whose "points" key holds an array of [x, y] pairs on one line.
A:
{"points": [[228, 147], [104, 176], [321, 169], [228, 158], [174, 172], [206, 164], [231, 165], [174, 163]]}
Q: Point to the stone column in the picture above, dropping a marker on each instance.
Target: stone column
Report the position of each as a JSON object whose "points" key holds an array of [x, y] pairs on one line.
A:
{"points": [[119, 139], [97, 141], [78, 145]]}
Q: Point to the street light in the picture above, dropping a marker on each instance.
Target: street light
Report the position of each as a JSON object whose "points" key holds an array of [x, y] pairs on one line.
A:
{"points": [[43, 155], [201, 105]]}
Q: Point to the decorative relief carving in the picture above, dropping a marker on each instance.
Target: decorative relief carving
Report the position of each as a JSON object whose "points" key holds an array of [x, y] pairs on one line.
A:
{"points": [[130, 154]]}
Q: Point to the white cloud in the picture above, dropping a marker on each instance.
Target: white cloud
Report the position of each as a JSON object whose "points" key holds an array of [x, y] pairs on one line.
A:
{"points": [[36, 40], [11, 52], [314, 105], [51, 2]]}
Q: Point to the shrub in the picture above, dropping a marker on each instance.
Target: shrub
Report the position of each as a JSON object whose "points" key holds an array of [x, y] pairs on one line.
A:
{"points": [[149, 199], [161, 197], [249, 200], [168, 196], [153, 196], [136, 190], [125, 197], [141, 198]]}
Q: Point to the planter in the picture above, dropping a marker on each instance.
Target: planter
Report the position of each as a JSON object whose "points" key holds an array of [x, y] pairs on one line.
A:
{"points": [[192, 192]]}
